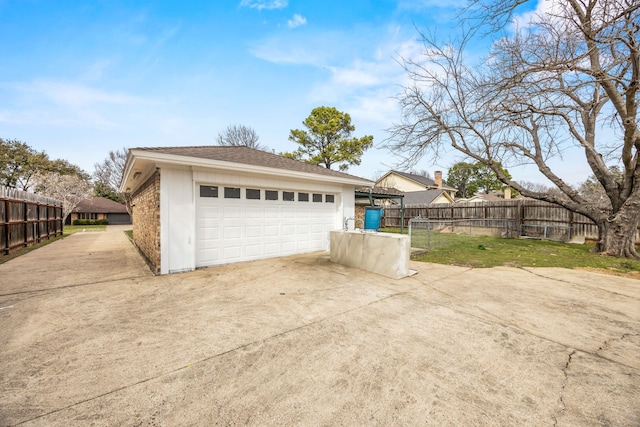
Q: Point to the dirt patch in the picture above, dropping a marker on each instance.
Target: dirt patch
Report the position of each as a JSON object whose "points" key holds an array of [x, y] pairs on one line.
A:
{"points": [[628, 274]]}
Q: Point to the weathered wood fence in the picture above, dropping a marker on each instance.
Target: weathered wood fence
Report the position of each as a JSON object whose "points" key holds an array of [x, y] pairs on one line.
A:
{"points": [[524, 212], [27, 218]]}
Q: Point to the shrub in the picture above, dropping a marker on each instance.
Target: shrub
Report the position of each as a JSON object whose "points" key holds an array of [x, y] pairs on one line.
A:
{"points": [[90, 222]]}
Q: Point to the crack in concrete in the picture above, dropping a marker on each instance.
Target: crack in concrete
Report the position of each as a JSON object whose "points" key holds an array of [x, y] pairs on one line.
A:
{"points": [[605, 345], [493, 318], [577, 285], [207, 359], [76, 285], [563, 405]]}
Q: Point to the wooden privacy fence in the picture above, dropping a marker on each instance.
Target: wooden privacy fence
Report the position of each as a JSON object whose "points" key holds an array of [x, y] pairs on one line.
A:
{"points": [[27, 218], [526, 213]]}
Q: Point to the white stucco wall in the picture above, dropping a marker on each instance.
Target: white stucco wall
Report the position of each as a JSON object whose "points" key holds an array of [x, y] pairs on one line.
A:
{"points": [[177, 220]]}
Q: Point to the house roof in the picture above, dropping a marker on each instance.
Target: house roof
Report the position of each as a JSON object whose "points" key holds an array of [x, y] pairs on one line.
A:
{"points": [[424, 197], [228, 157], [100, 205], [381, 191], [420, 179]]}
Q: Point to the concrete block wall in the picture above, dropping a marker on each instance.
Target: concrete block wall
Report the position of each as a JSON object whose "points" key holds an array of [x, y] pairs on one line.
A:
{"points": [[146, 220]]}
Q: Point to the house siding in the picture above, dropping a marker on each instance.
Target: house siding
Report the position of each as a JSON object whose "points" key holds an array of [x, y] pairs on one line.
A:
{"points": [[75, 215], [146, 220], [400, 183]]}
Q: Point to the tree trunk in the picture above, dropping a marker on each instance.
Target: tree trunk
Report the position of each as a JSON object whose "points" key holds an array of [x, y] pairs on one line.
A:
{"points": [[617, 236]]}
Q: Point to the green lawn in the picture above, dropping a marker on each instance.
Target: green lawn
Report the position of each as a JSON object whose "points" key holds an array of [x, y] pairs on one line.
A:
{"points": [[484, 252], [70, 229]]}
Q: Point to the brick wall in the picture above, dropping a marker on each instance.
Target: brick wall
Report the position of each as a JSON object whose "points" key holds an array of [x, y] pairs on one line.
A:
{"points": [[146, 220]]}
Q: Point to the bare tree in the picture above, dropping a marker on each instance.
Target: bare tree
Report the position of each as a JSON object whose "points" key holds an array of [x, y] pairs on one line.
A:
{"points": [[70, 189], [550, 84], [240, 135], [107, 176], [421, 172]]}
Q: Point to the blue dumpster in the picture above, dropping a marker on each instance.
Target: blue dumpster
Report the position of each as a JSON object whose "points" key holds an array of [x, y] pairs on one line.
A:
{"points": [[372, 215]]}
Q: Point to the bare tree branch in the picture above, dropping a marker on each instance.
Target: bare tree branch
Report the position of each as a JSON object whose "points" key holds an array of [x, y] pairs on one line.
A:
{"points": [[547, 85], [240, 135]]}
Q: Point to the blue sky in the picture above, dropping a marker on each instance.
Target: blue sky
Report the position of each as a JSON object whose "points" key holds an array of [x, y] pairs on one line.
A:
{"points": [[81, 78]]}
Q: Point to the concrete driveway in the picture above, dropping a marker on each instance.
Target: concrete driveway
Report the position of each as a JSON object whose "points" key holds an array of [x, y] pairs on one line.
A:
{"points": [[88, 336]]}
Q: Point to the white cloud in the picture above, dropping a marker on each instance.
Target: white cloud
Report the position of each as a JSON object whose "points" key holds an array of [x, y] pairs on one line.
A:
{"points": [[545, 9], [300, 51], [264, 4], [379, 70], [64, 104], [75, 95], [359, 74], [296, 21]]}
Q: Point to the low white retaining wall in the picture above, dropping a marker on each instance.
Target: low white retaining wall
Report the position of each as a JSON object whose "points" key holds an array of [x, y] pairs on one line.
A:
{"points": [[386, 254]]}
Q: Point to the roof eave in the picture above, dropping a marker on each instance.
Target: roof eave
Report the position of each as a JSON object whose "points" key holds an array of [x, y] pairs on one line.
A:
{"points": [[198, 162]]}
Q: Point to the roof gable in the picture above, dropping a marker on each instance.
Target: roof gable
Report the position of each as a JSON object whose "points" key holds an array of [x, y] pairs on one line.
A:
{"points": [[421, 179]]}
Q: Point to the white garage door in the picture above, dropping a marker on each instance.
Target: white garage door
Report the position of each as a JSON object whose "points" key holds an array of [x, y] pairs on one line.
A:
{"points": [[242, 224]]}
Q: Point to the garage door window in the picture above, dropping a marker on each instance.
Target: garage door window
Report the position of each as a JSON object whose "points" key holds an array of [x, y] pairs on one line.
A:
{"points": [[231, 193], [253, 194], [208, 191], [271, 195], [261, 194]]}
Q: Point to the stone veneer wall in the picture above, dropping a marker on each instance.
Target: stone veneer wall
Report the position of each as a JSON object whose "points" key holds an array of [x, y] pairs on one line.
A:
{"points": [[360, 216], [146, 220]]}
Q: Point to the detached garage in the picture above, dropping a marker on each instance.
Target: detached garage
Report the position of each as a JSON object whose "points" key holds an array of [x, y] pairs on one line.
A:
{"points": [[201, 206]]}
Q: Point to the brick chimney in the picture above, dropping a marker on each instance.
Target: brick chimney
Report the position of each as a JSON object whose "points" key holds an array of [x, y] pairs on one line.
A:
{"points": [[437, 178], [507, 193]]}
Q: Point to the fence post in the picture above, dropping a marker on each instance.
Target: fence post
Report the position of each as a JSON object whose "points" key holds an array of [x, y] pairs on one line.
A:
{"points": [[31, 205], [7, 226], [25, 208], [520, 218]]}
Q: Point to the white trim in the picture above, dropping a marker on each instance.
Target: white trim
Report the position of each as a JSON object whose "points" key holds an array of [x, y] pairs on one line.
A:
{"points": [[196, 163]]}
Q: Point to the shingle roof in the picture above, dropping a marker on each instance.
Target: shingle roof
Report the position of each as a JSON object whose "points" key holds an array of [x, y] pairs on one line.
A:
{"points": [[100, 205], [427, 182], [421, 197], [381, 190], [246, 155]]}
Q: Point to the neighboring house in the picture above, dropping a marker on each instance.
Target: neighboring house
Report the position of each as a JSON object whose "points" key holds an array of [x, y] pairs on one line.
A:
{"points": [[100, 208], [426, 197], [409, 182], [418, 189], [200, 206]]}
